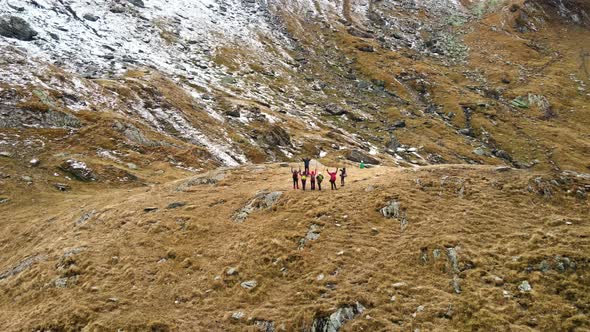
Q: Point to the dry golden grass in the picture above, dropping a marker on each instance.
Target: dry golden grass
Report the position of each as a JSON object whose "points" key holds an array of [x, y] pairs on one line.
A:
{"points": [[167, 268]]}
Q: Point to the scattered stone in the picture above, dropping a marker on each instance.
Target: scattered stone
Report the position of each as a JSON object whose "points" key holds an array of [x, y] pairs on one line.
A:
{"points": [[261, 201], [21, 266], [399, 124], [238, 315], [62, 186], [374, 231], [4, 200], [399, 285], [320, 277], [392, 210], [250, 284], [265, 326], [5, 154], [34, 162], [90, 17], [453, 259], [85, 217], [525, 287], [27, 178], [232, 271], [480, 151], [16, 28], [366, 48], [503, 169], [336, 320], [456, 283], [132, 166], [150, 209], [175, 205]]}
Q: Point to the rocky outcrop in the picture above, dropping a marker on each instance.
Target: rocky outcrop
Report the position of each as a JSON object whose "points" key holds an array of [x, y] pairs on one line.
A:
{"points": [[358, 156], [79, 170], [261, 201], [16, 28], [13, 117], [335, 321]]}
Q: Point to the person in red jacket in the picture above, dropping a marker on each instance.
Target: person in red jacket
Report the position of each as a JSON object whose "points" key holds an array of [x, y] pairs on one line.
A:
{"points": [[333, 178]]}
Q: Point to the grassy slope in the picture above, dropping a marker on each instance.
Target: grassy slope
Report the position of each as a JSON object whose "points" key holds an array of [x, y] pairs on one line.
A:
{"points": [[498, 228]]}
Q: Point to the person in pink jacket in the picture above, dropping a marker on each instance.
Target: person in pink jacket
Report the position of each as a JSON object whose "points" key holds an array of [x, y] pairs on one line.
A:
{"points": [[333, 177]]}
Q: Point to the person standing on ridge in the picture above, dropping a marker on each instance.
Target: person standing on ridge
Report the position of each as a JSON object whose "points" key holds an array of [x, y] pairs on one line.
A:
{"points": [[312, 176], [306, 162], [295, 178], [333, 178], [362, 166], [303, 179], [319, 178], [342, 176]]}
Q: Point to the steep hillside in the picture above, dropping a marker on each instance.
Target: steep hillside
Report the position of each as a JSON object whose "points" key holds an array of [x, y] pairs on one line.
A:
{"points": [[145, 145]]}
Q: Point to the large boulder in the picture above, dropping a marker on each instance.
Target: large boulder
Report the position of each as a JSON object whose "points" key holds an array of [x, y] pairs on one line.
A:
{"points": [[16, 28], [358, 156], [79, 170]]}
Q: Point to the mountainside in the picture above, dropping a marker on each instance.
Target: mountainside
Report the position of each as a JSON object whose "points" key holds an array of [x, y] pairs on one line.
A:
{"points": [[110, 107]]}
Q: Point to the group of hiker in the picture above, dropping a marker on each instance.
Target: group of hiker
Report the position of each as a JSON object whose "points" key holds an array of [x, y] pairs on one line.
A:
{"points": [[316, 178]]}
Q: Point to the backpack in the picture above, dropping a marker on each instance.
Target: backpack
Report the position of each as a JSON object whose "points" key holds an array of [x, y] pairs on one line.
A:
{"points": [[320, 178]]}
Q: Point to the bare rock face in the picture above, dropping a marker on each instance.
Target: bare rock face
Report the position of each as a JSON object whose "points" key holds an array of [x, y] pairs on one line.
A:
{"points": [[13, 117], [16, 28]]}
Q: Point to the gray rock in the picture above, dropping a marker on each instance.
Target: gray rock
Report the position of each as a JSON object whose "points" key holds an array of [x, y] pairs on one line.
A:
{"points": [[250, 284], [232, 271], [90, 17], [261, 201], [265, 326], [21, 266], [13, 117], [312, 235], [62, 186], [392, 210], [85, 218], [336, 320], [175, 205], [453, 259], [16, 28], [4, 200], [525, 287], [238, 315], [358, 156], [480, 151], [132, 166], [137, 3], [79, 170], [35, 162], [456, 283], [334, 109], [27, 178], [393, 144], [5, 154]]}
